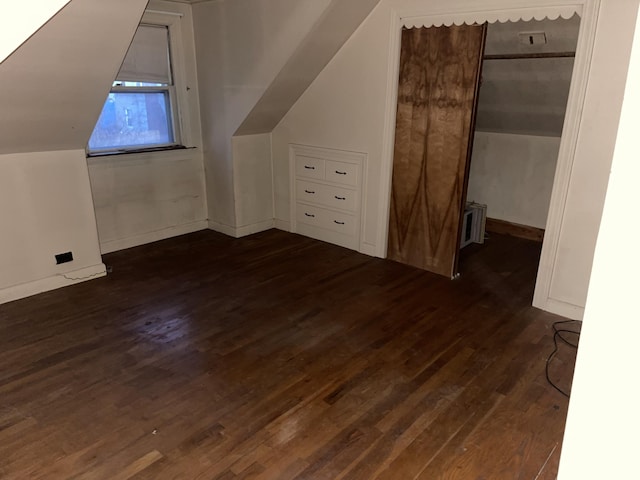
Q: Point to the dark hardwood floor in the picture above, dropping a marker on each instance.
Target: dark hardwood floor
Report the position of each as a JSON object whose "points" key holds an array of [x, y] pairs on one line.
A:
{"points": [[279, 357]]}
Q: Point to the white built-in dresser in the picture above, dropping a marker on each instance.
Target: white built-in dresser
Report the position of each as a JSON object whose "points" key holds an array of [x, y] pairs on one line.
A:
{"points": [[326, 194]]}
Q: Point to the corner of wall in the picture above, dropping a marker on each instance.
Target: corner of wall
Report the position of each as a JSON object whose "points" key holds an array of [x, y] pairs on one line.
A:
{"points": [[47, 209]]}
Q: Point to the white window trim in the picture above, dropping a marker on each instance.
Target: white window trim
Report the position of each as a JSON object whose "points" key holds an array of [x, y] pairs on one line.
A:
{"points": [[177, 52], [178, 92]]}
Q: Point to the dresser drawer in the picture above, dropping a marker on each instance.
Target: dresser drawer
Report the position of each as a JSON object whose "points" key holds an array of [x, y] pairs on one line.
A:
{"points": [[310, 167], [326, 194], [319, 217], [344, 173], [334, 197], [309, 215], [341, 223]]}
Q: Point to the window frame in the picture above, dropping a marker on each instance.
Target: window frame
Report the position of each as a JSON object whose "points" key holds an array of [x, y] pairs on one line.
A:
{"points": [[176, 90]]}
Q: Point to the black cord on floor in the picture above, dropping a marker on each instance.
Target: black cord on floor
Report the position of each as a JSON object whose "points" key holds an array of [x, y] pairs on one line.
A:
{"points": [[558, 334]]}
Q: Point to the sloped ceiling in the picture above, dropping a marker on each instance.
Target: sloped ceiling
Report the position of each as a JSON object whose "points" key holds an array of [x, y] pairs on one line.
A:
{"points": [[523, 96], [527, 96], [335, 26], [21, 19], [53, 87]]}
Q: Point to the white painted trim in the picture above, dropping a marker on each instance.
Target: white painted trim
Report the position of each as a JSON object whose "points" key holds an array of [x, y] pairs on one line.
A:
{"points": [[361, 159], [282, 225], [242, 231], [181, 107], [292, 189], [362, 201], [564, 309], [328, 153], [162, 12], [480, 9], [245, 230], [389, 133], [52, 283], [123, 243], [222, 228], [501, 16], [368, 249], [273, 179], [571, 128], [566, 155]]}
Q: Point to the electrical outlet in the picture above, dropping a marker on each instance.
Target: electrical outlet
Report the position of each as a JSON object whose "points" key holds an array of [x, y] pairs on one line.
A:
{"points": [[64, 258]]}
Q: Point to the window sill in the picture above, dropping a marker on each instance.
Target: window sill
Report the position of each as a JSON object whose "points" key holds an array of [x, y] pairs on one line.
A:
{"points": [[138, 151]]}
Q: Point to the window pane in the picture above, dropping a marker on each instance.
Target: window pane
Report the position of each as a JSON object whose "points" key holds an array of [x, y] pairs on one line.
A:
{"points": [[133, 119]]}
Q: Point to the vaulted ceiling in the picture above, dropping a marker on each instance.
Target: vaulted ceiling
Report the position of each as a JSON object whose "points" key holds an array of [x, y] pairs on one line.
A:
{"points": [[336, 24], [53, 86], [26, 17]]}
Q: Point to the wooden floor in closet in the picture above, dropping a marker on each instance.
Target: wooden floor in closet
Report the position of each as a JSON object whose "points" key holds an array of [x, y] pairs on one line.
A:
{"points": [[276, 356]]}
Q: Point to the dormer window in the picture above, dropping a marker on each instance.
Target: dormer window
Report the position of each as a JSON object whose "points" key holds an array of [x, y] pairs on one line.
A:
{"points": [[140, 111]]}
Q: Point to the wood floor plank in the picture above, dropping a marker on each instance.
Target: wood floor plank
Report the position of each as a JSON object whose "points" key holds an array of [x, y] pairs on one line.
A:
{"points": [[276, 356]]}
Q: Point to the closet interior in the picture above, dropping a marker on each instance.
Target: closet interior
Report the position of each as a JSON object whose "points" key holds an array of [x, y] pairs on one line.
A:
{"points": [[476, 159]]}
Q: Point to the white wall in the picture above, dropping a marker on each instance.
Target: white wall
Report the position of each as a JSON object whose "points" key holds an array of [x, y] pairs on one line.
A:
{"points": [[21, 19], [524, 96], [602, 426], [527, 96], [345, 109], [52, 89], [147, 197], [594, 151], [140, 198], [327, 35], [342, 109], [241, 46], [255, 59], [513, 176], [253, 185], [45, 209]]}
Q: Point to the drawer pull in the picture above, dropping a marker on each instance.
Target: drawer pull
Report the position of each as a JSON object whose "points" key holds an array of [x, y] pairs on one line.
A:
{"points": [[309, 191], [339, 198], [309, 215], [337, 222], [309, 167], [340, 173]]}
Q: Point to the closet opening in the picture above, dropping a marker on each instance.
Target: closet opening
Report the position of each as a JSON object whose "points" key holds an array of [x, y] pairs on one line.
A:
{"points": [[504, 144], [524, 89]]}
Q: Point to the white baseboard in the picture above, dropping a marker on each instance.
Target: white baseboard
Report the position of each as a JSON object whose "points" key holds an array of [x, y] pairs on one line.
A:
{"points": [[564, 309], [282, 225], [368, 249], [222, 228], [123, 243], [51, 283], [254, 228], [243, 231]]}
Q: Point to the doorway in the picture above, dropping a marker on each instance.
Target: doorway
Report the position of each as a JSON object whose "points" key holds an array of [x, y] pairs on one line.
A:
{"points": [[527, 71], [515, 10]]}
